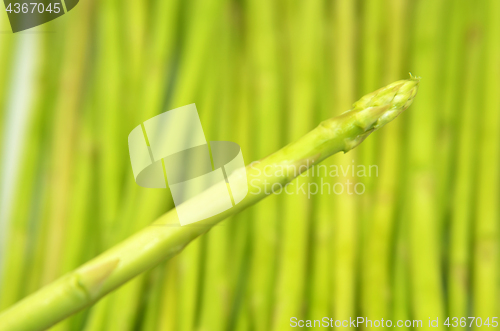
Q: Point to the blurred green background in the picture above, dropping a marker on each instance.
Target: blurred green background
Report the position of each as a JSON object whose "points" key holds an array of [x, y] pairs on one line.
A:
{"points": [[421, 241]]}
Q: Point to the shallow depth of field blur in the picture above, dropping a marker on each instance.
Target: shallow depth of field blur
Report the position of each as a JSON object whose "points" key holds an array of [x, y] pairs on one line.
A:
{"points": [[420, 241]]}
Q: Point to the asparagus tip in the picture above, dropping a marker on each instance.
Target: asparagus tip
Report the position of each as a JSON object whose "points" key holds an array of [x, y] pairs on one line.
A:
{"points": [[378, 108]]}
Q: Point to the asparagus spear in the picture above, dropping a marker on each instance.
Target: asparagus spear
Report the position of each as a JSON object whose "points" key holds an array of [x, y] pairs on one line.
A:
{"points": [[464, 181], [420, 211], [267, 88], [161, 241], [301, 21], [380, 218], [486, 216], [345, 214]]}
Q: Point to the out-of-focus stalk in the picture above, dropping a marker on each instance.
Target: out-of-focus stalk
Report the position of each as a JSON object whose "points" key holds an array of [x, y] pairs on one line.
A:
{"points": [[263, 25], [374, 60], [6, 57], [214, 299], [453, 78], [15, 261], [420, 191], [198, 79], [151, 300], [109, 104], [486, 229], [140, 206], [241, 228], [377, 288], [303, 23], [82, 207], [464, 181], [398, 46], [16, 265], [66, 127], [319, 285], [345, 214]]}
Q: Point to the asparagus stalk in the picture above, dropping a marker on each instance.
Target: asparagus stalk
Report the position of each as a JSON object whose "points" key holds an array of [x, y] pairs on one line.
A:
{"points": [[393, 141], [263, 46], [180, 308], [240, 258], [214, 303], [486, 230], [345, 215], [108, 85], [381, 216], [465, 180], [161, 240], [319, 291], [420, 213], [64, 136], [303, 27]]}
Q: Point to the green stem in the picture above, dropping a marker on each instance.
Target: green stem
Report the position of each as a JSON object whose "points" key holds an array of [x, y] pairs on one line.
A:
{"points": [[381, 216], [214, 291], [421, 211], [464, 180], [263, 45], [345, 215], [303, 21], [486, 229], [165, 238]]}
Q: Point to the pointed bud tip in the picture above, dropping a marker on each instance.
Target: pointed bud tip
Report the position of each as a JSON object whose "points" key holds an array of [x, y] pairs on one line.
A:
{"points": [[384, 105]]}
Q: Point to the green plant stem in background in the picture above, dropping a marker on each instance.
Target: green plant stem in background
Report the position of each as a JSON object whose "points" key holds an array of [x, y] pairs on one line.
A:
{"points": [[214, 303], [163, 239], [146, 203], [180, 307], [266, 91], [464, 181], [393, 141], [453, 80], [486, 229], [424, 223], [453, 85], [64, 136], [239, 256], [6, 57], [152, 300], [345, 214], [302, 23], [109, 78], [319, 284], [17, 264], [377, 285], [373, 286]]}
